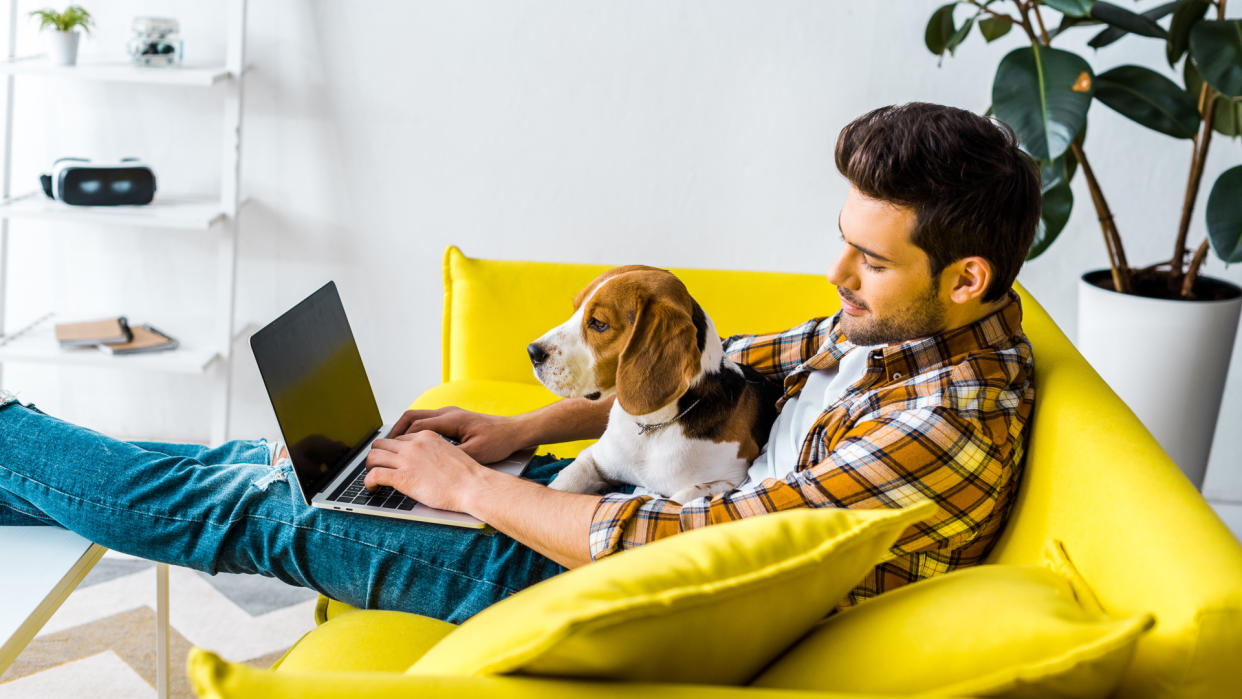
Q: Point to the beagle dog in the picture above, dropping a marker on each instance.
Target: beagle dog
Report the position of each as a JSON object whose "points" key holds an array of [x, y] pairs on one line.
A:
{"points": [[687, 422]]}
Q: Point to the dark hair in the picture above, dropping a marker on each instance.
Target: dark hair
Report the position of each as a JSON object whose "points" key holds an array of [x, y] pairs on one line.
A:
{"points": [[973, 191]]}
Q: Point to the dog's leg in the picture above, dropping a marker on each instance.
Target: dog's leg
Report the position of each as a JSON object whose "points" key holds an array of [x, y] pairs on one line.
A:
{"points": [[581, 476], [699, 490]]}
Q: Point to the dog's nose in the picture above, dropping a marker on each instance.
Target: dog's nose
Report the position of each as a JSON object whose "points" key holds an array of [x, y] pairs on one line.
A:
{"points": [[536, 352]]}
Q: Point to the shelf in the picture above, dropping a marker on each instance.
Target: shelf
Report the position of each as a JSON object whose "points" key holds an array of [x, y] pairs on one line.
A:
{"points": [[119, 71], [37, 344], [166, 211]]}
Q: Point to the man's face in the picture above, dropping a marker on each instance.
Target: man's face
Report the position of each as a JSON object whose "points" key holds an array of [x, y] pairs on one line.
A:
{"points": [[887, 293]]}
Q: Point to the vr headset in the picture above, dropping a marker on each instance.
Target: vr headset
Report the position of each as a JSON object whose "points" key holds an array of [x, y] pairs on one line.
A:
{"points": [[80, 182]]}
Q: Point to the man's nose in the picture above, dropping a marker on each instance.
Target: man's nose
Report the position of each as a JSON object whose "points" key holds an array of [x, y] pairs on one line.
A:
{"points": [[537, 353], [837, 273]]}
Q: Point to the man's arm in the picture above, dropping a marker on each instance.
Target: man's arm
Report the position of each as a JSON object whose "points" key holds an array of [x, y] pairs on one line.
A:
{"points": [[439, 474], [552, 522], [492, 438]]}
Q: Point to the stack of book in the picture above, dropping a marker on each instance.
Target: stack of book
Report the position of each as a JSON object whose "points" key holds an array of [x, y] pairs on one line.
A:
{"points": [[113, 335]]}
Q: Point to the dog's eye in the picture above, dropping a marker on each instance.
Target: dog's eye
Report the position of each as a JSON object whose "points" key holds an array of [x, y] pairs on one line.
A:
{"points": [[597, 325]]}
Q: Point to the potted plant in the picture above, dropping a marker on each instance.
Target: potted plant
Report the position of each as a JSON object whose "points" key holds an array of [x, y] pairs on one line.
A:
{"points": [[1127, 314], [62, 40]]}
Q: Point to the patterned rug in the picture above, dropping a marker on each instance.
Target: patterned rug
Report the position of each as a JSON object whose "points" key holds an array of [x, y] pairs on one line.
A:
{"points": [[101, 642]]}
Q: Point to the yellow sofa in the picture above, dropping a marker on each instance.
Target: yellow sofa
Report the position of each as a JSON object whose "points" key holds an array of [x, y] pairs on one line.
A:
{"points": [[1095, 479]]}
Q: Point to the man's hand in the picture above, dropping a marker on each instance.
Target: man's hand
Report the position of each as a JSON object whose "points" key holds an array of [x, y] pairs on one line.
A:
{"points": [[486, 438], [424, 467], [427, 468]]}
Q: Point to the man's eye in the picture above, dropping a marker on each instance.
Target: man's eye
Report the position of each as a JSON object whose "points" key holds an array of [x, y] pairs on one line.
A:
{"points": [[870, 266], [597, 325]]}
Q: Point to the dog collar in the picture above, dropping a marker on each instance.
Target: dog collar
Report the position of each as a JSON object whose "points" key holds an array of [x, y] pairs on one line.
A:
{"points": [[644, 428]]}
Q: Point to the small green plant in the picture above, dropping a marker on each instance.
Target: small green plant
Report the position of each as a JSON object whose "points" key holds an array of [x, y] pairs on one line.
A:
{"points": [[73, 16]]}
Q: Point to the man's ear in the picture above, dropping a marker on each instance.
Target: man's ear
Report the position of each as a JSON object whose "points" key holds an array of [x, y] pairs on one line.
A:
{"points": [[660, 358], [969, 279]]}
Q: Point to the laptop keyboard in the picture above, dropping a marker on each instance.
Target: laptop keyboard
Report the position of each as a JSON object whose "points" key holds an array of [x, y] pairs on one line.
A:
{"points": [[352, 492]]}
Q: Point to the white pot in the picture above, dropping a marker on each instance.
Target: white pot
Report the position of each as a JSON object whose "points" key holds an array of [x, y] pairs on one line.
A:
{"points": [[1166, 359], [62, 47]]}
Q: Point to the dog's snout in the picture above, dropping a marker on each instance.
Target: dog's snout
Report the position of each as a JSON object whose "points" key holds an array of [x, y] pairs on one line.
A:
{"points": [[537, 354]]}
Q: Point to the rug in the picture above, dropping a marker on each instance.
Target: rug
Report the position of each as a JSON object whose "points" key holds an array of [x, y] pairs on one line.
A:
{"points": [[101, 642]]}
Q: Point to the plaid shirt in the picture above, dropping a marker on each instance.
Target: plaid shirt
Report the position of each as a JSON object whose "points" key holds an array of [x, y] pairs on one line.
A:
{"points": [[939, 417]]}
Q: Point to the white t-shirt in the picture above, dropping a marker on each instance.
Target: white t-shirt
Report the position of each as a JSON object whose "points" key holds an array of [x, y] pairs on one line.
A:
{"points": [[779, 457]]}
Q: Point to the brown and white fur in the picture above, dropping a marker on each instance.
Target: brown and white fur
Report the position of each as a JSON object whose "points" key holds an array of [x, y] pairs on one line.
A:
{"points": [[636, 333]]}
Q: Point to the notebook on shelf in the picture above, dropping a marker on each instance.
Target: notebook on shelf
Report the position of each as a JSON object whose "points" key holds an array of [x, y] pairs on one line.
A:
{"points": [[107, 331], [145, 339]]}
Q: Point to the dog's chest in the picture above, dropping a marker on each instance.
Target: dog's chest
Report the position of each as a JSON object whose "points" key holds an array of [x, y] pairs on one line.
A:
{"points": [[664, 460]]}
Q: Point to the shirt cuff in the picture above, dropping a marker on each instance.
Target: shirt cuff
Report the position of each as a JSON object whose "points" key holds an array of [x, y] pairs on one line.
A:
{"points": [[612, 512]]}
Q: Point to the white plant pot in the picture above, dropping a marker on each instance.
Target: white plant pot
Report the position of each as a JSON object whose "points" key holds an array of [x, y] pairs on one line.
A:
{"points": [[62, 47], [1166, 359]]}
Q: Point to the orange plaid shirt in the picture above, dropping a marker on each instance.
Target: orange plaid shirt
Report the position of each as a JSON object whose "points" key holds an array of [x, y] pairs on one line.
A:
{"points": [[940, 417]]}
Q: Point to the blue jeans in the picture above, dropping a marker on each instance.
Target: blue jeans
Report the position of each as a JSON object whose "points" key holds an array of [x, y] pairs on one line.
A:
{"points": [[229, 509]]}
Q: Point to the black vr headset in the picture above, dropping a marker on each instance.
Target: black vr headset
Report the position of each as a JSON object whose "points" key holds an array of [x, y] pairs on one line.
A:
{"points": [[80, 182]]}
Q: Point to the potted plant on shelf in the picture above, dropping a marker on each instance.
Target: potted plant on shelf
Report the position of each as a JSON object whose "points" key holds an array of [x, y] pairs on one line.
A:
{"points": [[1161, 335], [62, 40]]}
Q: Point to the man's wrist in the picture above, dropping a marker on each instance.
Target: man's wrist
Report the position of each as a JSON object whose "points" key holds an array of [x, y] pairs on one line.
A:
{"points": [[526, 430]]}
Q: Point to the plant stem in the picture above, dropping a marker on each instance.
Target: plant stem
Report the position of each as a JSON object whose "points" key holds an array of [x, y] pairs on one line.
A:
{"points": [[1198, 156], [1195, 262], [1207, 107], [1040, 18], [994, 13], [1026, 22], [1112, 241]]}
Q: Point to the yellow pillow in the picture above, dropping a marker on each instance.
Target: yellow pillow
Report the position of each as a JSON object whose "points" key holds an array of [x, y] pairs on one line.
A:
{"points": [[991, 630], [712, 605]]}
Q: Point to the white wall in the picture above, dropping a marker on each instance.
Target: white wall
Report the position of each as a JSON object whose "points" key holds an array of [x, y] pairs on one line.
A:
{"points": [[377, 133]]}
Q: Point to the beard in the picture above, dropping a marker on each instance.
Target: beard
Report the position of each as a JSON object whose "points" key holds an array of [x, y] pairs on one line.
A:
{"points": [[923, 317]]}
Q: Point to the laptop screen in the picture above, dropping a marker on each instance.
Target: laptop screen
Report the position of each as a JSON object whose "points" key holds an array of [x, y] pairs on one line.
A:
{"points": [[318, 386]]}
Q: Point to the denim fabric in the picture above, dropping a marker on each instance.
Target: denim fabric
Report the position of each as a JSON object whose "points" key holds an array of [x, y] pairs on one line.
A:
{"points": [[228, 509]]}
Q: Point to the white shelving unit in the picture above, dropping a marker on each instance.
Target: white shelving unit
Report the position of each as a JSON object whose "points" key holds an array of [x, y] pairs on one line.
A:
{"points": [[209, 215]]}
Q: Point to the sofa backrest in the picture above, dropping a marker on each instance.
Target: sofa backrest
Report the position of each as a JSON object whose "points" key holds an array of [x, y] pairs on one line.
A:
{"points": [[1094, 477]]}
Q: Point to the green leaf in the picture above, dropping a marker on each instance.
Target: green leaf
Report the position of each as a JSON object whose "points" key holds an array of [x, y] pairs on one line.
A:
{"points": [[1185, 17], [1216, 47], [1224, 215], [1228, 119], [1112, 34], [1055, 212], [1068, 22], [1058, 172], [959, 36], [1147, 97], [939, 29], [1125, 20], [994, 28], [1071, 8], [1043, 94]]}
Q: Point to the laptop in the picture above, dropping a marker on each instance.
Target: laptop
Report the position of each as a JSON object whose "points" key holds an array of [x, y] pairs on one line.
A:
{"points": [[328, 415]]}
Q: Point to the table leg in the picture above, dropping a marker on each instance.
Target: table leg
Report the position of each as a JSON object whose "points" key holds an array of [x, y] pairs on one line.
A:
{"points": [[161, 630]]}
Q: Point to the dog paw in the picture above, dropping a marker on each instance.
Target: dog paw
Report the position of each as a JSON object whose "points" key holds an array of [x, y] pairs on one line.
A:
{"points": [[701, 490]]}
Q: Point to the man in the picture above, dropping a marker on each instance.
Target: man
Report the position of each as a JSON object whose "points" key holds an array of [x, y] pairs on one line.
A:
{"points": [[920, 387]]}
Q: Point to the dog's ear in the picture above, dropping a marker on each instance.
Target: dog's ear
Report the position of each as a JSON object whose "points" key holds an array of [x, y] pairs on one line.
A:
{"points": [[660, 358]]}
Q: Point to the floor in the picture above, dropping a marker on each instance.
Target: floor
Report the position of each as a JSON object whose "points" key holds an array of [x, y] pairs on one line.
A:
{"points": [[101, 643]]}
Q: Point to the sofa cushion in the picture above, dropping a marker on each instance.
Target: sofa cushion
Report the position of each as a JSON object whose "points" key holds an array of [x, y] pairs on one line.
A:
{"points": [[993, 630], [712, 605], [372, 641]]}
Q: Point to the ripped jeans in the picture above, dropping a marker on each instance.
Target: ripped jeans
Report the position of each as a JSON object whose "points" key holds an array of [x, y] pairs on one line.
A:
{"points": [[229, 509]]}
